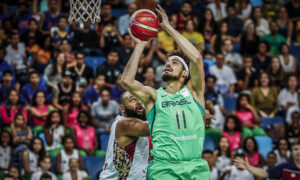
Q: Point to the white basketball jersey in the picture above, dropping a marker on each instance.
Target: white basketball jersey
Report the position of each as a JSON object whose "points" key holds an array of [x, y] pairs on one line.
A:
{"points": [[119, 164], [65, 158]]}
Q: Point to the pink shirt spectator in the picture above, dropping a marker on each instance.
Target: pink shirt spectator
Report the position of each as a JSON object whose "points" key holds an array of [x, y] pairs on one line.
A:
{"points": [[253, 160], [234, 141], [85, 137], [246, 117], [40, 121], [72, 116], [7, 115]]}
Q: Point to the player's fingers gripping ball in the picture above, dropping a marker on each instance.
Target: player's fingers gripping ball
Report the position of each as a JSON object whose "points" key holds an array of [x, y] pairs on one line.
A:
{"points": [[144, 24]]}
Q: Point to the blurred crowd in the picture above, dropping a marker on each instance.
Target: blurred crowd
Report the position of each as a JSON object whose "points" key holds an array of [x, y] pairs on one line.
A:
{"points": [[60, 82]]}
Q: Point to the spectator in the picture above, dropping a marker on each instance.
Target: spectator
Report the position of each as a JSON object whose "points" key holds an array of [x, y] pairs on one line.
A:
{"points": [[11, 108], [110, 38], [8, 177], [218, 38], [39, 109], [271, 161], [293, 130], [286, 27], [72, 110], [207, 155], [224, 74], [247, 75], [53, 72], [252, 154], [233, 172], [244, 8], [111, 69], [106, 19], [261, 61], [249, 41], [270, 9], [125, 50], [207, 25], [217, 111], [16, 53], [65, 90], [14, 172], [211, 92], [46, 177], [282, 152], [291, 110], [22, 17], [21, 133], [4, 66], [170, 7], [87, 40], [287, 61], [233, 59], [248, 116], [54, 131], [293, 8], [5, 151], [276, 73], [165, 42], [261, 24], [45, 167], [6, 85], [282, 171], [104, 111], [235, 24], [264, 98], [5, 33], [219, 9], [117, 91], [274, 39], [81, 70], [222, 155], [123, 24], [85, 134], [233, 132], [193, 36], [181, 18], [51, 17], [93, 92], [197, 8], [288, 96], [32, 36], [66, 48], [28, 90], [61, 33], [64, 156], [149, 76], [74, 171], [41, 53]]}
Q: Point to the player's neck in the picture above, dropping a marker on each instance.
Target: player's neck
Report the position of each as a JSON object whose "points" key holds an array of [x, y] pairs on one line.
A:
{"points": [[173, 87]]}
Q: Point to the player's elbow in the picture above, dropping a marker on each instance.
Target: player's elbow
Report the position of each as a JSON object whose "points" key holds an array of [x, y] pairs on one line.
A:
{"points": [[125, 82]]}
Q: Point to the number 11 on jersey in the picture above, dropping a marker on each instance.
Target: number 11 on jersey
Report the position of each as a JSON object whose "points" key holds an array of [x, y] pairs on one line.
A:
{"points": [[178, 120]]}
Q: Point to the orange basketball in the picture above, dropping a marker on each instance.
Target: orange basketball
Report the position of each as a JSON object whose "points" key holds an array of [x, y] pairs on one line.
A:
{"points": [[144, 24]]}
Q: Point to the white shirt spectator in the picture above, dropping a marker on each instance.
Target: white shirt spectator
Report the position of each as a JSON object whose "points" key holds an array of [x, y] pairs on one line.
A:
{"points": [[80, 175], [214, 174], [57, 134], [286, 97], [123, 24], [238, 174], [220, 120], [16, 56], [290, 111], [222, 163], [225, 77], [246, 12], [281, 159], [219, 14], [290, 67], [261, 29], [37, 175], [233, 58]]}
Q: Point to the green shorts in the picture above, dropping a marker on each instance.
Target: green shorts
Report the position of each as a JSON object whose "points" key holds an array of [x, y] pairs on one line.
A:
{"points": [[180, 170]]}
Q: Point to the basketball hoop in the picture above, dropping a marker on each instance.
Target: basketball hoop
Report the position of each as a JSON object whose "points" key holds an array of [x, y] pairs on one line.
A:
{"points": [[85, 10]]}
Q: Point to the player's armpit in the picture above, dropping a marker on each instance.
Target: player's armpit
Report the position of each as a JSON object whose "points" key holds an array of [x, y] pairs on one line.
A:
{"points": [[133, 127]]}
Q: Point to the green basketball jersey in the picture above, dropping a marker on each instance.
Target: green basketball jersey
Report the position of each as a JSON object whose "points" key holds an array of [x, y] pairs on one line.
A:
{"points": [[176, 126]]}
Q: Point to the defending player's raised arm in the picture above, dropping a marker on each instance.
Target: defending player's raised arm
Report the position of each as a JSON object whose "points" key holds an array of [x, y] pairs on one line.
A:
{"points": [[144, 93], [133, 127]]}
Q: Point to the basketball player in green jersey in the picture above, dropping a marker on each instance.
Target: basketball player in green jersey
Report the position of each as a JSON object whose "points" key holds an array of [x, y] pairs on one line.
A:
{"points": [[175, 114]]}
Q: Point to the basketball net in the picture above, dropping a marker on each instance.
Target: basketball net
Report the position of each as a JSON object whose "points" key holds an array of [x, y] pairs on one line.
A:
{"points": [[85, 10]]}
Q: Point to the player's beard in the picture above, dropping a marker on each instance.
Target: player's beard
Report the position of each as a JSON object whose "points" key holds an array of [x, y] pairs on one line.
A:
{"points": [[132, 113], [168, 77]]}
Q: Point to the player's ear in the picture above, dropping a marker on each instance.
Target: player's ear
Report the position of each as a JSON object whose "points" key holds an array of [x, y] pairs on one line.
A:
{"points": [[184, 74], [122, 109]]}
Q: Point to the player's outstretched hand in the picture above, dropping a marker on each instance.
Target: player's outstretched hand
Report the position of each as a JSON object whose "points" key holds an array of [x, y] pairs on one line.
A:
{"points": [[137, 40], [241, 163], [207, 117], [164, 17]]}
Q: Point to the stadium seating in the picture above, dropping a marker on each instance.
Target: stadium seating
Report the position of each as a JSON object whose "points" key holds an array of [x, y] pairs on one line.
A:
{"points": [[265, 145], [104, 141], [269, 121], [229, 103], [42, 136], [94, 62], [209, 143], [93, 165], [37, 130]]}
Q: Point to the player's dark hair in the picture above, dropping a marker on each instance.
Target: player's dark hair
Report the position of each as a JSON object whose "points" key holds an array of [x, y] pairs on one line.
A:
{"points": [[238, 126], [245, 143], [184, 57]]}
